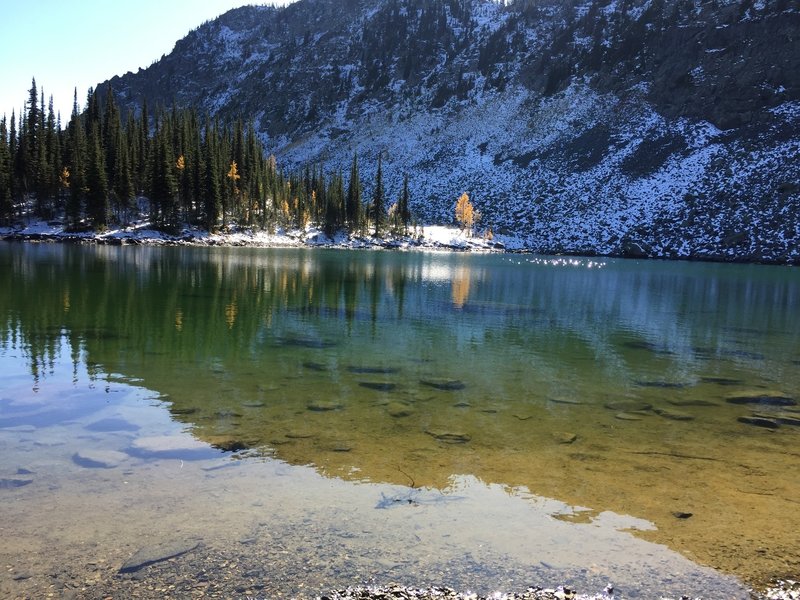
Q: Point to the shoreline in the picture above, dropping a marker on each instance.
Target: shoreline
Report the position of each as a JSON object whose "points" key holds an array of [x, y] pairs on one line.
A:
{"points": [[431, 238]]}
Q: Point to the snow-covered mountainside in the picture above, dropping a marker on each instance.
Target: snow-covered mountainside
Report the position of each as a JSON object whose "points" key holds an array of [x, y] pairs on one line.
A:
{"points": [[666, 128]]}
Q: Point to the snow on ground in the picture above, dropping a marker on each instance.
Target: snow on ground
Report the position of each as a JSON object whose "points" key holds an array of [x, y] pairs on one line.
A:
{"points": [[429, 237]]}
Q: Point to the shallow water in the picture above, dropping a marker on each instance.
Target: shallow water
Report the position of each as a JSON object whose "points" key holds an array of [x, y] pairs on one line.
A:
{"points": [[483, 421]]}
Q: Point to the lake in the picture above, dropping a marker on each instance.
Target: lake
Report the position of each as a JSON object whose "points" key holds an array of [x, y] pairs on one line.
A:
{"points": [[300, 420]]}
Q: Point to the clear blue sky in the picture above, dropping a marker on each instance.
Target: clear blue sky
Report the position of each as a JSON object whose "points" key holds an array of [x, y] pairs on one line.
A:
{"points": [[68, 44]]}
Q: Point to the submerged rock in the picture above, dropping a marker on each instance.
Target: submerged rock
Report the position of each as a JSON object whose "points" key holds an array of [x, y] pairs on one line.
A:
{"points": [[721, 380], [324, 405], [673, 415], [449, 437], [628, 406], [769, 398], [626, 416], [448, 385], [315, 366], [379, 386], [690, 402], [112, 424], [373, 370], [399, 409], [564, 437], [172, 446], [13, 482], [99, 459], [661, 384], [571, 401], [152, 554], [759, 422]]}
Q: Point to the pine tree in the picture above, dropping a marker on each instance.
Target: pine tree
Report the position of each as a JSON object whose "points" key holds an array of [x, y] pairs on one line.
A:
{"points": [[77, 159], [378, 208], [403, 208], [163, 185], [96, 182], [6, 204], [212, 190], [353, 204]]}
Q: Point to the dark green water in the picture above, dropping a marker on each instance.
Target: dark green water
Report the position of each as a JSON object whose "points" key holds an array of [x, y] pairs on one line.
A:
{"points": [[613, 386]]}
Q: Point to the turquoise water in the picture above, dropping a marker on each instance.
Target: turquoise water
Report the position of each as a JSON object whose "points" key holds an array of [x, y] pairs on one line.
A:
{"points": [[559, 393]]}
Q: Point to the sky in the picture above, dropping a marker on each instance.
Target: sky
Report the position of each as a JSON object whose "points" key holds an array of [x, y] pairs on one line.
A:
{"points": [[69, 44]]}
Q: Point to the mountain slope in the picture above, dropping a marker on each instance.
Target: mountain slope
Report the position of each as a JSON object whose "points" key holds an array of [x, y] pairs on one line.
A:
{"points": [[665, 128]]}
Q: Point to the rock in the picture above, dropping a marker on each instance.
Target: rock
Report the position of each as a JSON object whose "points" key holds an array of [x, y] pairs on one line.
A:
{"points": [[253, 404], [673, 415], [628, 406], [564, 437], [399, 409], [765, 397], [625, 416], [759, 422], [678, 514], [692, 403], [299, 435], [379, 386], [13, 482], [449, 437], [172, 446], [152, 554], [447, 385], [572, 401], [112, 424], [99, 459], [662, 384], [721, 380], [315, 366], [373, 370], [339, 446], [324, 405], [787, 419]]}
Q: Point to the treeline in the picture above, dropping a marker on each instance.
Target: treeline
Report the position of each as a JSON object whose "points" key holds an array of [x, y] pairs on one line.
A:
{"points": [[94, 171]]}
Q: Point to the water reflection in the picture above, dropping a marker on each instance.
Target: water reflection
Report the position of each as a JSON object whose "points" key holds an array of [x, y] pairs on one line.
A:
{"points": [[602, 387]]}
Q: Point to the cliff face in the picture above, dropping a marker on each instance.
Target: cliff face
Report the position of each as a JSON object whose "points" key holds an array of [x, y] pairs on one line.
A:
{"points": [[665, 128]]}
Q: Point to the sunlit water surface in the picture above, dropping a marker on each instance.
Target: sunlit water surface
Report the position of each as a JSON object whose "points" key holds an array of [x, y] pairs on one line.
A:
{"points": [[481, 421]]}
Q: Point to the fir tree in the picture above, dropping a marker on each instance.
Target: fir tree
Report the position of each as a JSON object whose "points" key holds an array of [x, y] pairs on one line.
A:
{"points": [[6, 204], [378, 209], [96, 182], [403, 208], [76, 158], [353, 204]]}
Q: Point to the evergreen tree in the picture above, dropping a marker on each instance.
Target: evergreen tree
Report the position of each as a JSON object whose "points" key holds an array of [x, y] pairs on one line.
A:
{"points": [[378, 202], [403, 208], [353, 204], [163, 185], [96, 182], [212, 190], [76, 176], [6, 203]]}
